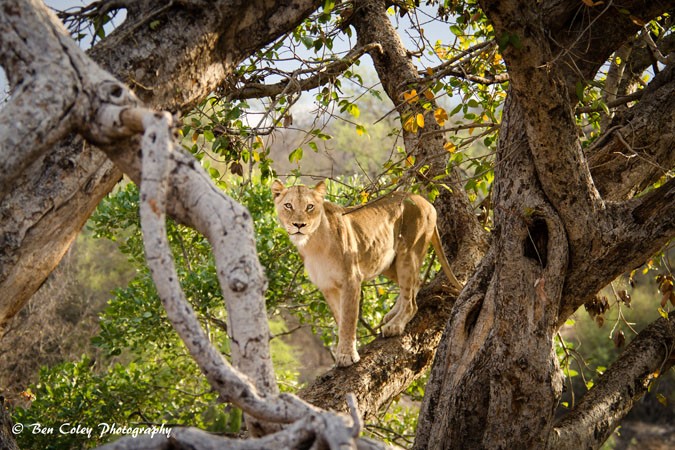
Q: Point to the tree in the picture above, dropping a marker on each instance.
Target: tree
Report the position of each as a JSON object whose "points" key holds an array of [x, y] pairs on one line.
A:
{"points": [[572, 207]]}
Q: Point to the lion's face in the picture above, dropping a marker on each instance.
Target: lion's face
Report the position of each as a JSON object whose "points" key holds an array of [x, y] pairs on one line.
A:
{"points": [[299, 209]]}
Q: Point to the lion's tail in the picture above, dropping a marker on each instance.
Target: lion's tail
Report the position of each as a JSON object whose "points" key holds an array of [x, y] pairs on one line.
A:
{"points": [[438, 247]]}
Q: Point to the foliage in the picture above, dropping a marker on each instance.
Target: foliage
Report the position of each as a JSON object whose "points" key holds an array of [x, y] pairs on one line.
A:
{"points": [[143, 362], [593, 339], [460, 91]]}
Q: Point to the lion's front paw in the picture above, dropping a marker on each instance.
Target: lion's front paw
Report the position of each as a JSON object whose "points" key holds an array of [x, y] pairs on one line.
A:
{"points": [[392, 329], [347, 359], [390, 315]]}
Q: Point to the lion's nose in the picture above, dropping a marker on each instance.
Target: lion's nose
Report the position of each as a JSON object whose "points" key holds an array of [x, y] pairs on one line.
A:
{"points": [[299, 225]]}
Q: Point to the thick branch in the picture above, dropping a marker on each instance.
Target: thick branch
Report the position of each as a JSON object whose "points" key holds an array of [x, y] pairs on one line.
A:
{"points": [[637, 150], [586, 36], [388, 365], [601, 409], [642, 227], [157, 147], [537, 80]]}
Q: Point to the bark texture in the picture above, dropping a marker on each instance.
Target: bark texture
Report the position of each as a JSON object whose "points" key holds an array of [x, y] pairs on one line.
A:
{"points": [[7, 441], [495, 381]]}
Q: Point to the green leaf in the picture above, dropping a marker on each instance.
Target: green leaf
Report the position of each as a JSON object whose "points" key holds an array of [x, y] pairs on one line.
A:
{"points": [[571, 372], [307, 41], [296, 155], [328, 5], [580, 90]]}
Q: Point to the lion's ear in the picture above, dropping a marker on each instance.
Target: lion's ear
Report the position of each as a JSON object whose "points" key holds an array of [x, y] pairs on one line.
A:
{"points": [[320, 188], [277, 188]]}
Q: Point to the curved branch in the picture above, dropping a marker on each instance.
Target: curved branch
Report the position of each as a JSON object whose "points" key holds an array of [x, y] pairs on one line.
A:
{"points": [[322, 76], [599, 412], [157, 148]]}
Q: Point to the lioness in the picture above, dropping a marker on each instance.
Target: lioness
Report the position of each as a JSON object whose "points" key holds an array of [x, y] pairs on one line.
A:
{"points": [[342, 247]]}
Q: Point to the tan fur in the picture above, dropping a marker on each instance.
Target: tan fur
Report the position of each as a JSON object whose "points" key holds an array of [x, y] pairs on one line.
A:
{"points": [[342, 247]]}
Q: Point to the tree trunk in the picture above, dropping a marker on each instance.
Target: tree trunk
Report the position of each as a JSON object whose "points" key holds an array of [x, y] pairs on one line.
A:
{"points": [[495, 382], [7, 441], [500, 363]]}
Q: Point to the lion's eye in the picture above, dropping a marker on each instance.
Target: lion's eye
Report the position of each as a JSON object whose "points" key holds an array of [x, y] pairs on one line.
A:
{"points": [[288, 206], [310, 208]]}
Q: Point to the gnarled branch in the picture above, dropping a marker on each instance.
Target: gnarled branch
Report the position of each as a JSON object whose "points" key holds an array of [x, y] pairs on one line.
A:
{"points": [[601, 409]]}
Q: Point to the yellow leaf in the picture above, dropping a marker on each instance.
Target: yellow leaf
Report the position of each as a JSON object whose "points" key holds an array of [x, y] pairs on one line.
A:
{"points": [[441, 115], [411, 97], [485, 118], [256, 156], [429, 95], [195, 136], [410, 160], [420, 120], [364, 196], [450, 147], [410, 125], [430, 71]]}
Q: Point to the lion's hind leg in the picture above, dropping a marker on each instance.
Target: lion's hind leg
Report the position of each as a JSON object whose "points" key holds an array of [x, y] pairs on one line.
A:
{"points": [[407, 271]]}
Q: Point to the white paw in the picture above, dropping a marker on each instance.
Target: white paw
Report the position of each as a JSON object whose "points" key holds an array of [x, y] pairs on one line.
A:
{"points": [[392, 329], [387, 317], [347, 359]]}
